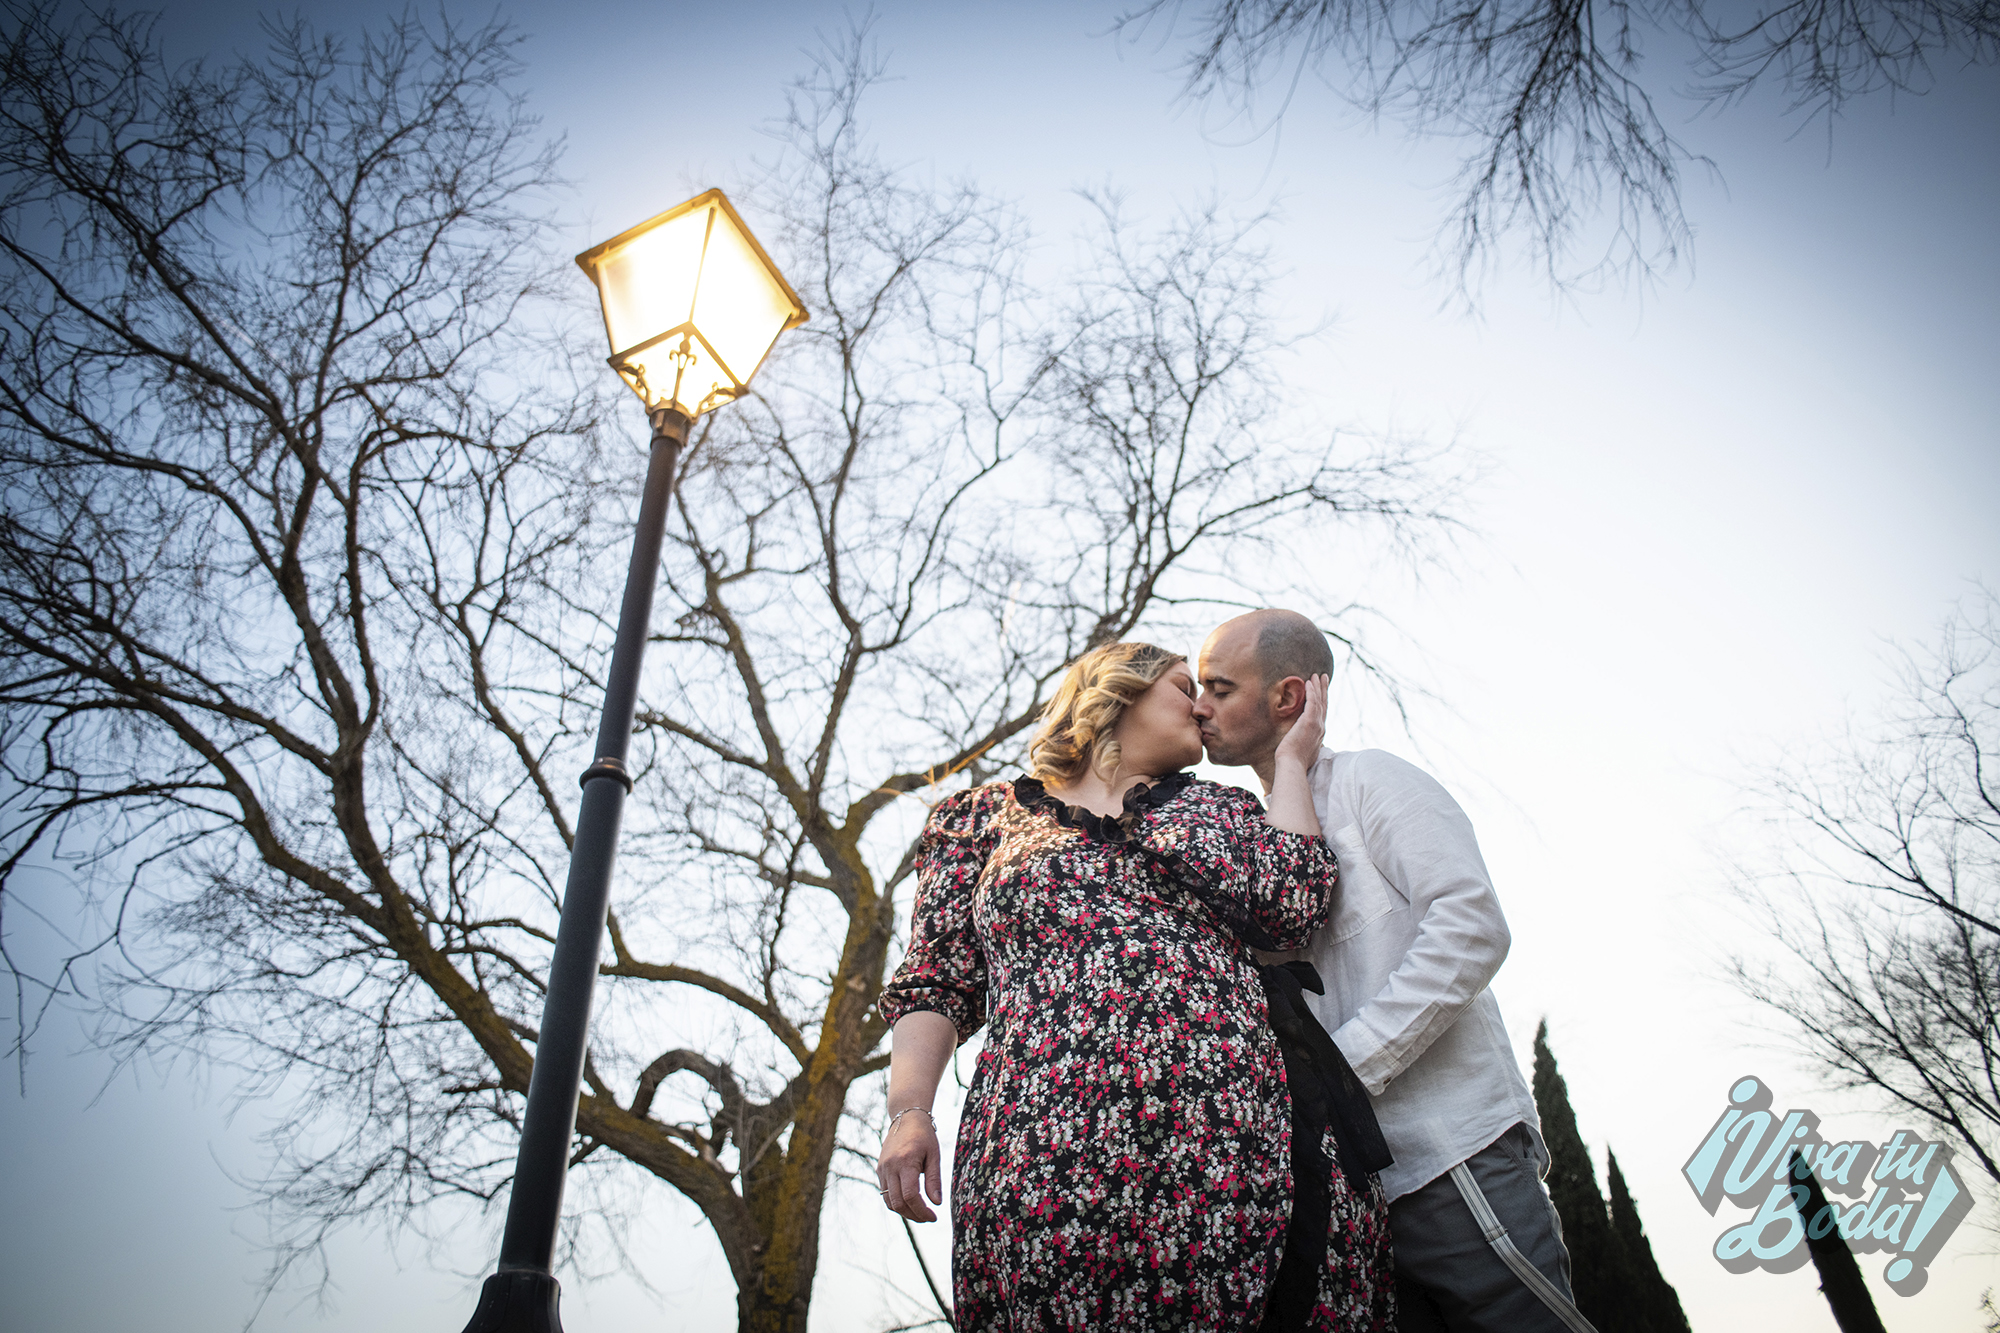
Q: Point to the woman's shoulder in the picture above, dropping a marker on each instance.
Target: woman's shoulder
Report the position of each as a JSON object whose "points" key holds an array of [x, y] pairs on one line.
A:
{"points": [[965, 813]]}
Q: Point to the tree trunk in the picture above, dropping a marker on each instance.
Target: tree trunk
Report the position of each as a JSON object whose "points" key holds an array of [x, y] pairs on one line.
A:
{"points": [[792, 1197], [1839, 1275], [763, 1307]]}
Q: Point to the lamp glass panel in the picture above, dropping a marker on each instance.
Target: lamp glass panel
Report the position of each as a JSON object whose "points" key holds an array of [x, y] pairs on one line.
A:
{"points": [[648, 284], [700, 380], [743, 306]]}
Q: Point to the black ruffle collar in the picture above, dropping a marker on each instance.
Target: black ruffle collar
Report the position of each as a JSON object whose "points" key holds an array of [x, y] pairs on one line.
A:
{"points": [[1139, 802]]}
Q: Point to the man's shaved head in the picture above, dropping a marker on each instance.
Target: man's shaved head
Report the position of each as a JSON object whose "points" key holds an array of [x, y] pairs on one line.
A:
{"points": [[1247, 704], [1286, 644]]}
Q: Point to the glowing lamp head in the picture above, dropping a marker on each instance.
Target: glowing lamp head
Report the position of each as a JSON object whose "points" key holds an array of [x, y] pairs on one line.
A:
{"points": [[692, 304]]}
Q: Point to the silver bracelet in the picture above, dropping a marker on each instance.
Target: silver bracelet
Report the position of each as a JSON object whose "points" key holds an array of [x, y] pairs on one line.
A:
{"points": [[905, 1111]]}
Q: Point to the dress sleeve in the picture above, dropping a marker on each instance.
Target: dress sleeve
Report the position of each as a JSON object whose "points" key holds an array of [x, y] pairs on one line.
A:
{"points": [[944, 971], [1272, 887]]}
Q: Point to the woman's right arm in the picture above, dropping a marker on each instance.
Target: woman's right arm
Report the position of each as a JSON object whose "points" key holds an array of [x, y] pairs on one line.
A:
{"points": [[911, 1157], [937, 997]]}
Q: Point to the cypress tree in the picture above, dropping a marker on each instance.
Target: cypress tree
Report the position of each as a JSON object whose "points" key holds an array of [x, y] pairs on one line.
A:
{"points": [[1653, 1299], [1596, 1272]]}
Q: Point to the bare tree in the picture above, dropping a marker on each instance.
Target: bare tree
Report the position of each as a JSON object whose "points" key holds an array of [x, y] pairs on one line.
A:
{"points": [[1565, 142], [308, 553], [1888, 900]]}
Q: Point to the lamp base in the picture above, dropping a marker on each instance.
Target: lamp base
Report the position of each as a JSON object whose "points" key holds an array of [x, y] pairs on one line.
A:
{"points": [[518, 1302]]}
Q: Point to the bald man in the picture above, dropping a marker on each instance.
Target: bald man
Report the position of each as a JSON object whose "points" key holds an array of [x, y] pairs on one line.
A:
{"points": [[1415, 939]]}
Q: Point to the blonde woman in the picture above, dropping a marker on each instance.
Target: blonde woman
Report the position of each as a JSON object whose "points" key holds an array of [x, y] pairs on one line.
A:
{"points": [[1126, 1159]]}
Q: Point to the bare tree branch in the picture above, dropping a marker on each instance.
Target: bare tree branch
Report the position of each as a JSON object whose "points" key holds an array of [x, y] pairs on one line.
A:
{"points": [[1886, 899], [1564, 143]]}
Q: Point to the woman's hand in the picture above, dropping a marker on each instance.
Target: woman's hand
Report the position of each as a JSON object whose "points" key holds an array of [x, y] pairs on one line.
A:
{"points": [[1301, 744], [1289, 805], [910, 1160]]}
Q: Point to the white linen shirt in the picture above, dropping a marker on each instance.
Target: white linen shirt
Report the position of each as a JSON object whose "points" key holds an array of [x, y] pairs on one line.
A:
{"points": [[1415, 938]]}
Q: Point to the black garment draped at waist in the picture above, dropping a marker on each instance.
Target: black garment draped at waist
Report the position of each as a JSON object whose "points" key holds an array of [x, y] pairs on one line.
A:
{"points": [[1326, 1094]]}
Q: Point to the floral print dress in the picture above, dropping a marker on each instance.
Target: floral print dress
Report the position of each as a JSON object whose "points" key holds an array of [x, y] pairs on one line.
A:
{"points": [[1124, 1159]]}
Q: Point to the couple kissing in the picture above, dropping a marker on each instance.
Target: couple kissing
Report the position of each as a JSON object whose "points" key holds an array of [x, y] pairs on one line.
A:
{"points": [[1242, 1068]]}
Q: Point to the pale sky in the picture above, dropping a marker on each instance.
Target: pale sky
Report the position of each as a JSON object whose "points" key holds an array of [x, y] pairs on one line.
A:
{"points": [[1710, 509]]}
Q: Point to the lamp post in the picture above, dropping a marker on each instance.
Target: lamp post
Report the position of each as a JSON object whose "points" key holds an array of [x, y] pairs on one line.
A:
{"points": [[692, 305]]}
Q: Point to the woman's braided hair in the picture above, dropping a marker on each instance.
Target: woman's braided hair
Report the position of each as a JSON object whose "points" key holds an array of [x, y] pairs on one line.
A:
{"points": [[1075, 735]]}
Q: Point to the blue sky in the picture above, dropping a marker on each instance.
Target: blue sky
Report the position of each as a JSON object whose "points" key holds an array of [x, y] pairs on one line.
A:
{"points": [[1711, 505]]}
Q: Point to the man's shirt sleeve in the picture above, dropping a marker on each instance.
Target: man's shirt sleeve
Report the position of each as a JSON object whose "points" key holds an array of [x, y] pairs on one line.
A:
{"points": [[1423, 844]]}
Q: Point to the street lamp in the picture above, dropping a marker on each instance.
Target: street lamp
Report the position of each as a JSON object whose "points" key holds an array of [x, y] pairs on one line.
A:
{"points": [[692, 305]]}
